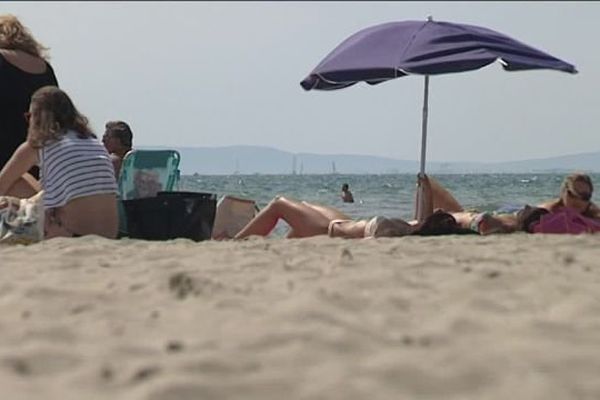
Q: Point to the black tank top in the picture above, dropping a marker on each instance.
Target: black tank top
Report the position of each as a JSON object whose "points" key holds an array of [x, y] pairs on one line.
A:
{"points": [[16, 88]]}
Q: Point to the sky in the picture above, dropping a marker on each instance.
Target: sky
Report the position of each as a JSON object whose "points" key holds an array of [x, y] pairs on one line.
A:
{"points": [[228, 73]]}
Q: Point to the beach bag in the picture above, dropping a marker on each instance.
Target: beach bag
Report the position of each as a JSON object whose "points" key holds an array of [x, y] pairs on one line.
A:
{"points": [[233, 213], [21, 220], [171, 215], [566, 221]]}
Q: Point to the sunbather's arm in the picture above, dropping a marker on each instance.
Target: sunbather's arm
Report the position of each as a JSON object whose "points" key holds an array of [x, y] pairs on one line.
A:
{"points": [[594, 211]]}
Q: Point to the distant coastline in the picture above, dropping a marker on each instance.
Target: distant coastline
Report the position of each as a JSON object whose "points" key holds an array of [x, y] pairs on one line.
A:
{"points": [[248, 160]]}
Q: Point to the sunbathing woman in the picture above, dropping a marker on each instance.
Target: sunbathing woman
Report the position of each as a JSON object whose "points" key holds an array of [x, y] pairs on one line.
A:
{"points": [[306, 220], [77, 175], [575, 193], [484, 223]]}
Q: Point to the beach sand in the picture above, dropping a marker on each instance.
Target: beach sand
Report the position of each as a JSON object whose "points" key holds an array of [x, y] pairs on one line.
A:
{"points": [[459, 317]]}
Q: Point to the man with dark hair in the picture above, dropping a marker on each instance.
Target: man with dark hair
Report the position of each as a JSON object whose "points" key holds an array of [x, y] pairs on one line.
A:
{"points": [[118, 141], [347, 194]]}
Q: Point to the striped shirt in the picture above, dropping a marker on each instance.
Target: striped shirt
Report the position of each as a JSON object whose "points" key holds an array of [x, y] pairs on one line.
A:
{"points": [[74, 167]]}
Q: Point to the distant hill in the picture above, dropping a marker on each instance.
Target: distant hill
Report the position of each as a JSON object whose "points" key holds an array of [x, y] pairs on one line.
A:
{"points": [[264, 160]]}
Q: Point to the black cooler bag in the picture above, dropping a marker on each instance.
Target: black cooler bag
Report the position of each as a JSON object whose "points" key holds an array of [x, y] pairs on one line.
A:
{"points": [[171, 215]]}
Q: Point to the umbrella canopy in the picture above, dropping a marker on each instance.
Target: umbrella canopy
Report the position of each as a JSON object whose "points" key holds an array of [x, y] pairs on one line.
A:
{"points": [[396, 49], [392, 50]]}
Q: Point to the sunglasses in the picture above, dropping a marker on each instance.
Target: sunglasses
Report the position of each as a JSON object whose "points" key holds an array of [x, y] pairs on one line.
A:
{"points": [[582, 196]]}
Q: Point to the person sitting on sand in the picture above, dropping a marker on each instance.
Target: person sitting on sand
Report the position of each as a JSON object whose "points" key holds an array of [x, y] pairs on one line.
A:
{"points": [[117, 139], [78, 180], [346, 194], [307, 219], [575, 193]]}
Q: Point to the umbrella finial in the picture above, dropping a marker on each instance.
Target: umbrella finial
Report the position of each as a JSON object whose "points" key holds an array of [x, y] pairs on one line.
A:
{"points": [[429, 18]]}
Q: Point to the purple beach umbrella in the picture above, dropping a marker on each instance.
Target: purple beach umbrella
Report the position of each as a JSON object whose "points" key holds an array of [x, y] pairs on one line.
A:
{"points": [[396, 49]]}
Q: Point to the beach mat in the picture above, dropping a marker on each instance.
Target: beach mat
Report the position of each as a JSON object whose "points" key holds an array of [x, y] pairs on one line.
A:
{"points": [[21, 220]]}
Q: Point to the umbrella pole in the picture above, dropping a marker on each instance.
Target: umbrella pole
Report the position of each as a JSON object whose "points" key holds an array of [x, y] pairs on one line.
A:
{"points": [[420, 198]]}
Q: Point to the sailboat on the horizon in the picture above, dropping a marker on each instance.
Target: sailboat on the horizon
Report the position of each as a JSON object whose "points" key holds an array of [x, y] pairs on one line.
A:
{"points": [[294, 165], [333, 170]]}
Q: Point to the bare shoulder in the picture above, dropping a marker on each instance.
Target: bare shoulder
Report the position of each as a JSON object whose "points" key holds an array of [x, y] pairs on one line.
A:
{"points": [[594, 211], [548, 205], [23, 61]]}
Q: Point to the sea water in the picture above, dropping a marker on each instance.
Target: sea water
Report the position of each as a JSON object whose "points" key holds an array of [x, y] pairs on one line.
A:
{"points": [[388, 195]]}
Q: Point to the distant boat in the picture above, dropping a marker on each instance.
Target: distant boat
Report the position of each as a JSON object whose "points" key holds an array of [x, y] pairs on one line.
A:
{"points": [[333, 170], [301, 167], [294, 166]]}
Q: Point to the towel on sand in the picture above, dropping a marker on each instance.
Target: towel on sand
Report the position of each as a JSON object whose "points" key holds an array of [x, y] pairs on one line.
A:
{"points": [[21, 220], [566, 221]]}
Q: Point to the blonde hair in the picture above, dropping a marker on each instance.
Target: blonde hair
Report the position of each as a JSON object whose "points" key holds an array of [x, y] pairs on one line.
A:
{"points": [[15, 36], [52, 115], [570, 180]]}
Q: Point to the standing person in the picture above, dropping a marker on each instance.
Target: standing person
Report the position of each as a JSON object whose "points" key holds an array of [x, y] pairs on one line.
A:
{"points": [[347, 194], [24, 68], [118, 141], [80, 191]]}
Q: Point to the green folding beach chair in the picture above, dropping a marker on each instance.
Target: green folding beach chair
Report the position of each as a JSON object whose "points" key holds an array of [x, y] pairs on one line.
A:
{"points": [[143, 174], [147, 172]]}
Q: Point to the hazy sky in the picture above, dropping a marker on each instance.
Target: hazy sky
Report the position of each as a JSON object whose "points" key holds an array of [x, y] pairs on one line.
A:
{"points": [[218, 74]]}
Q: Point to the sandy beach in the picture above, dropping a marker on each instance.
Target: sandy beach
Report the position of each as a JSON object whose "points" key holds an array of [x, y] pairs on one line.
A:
{"points": [[496, 317]]}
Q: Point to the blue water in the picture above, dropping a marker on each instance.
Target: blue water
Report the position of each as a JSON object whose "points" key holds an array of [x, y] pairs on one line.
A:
{"points": [[389, 195]]}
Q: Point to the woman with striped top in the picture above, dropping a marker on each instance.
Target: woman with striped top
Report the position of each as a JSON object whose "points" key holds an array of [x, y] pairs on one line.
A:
{"points": [[76, 173]]}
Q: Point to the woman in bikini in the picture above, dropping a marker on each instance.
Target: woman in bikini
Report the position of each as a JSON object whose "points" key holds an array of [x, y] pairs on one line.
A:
{"points": [[484, 223], [307, 219], [575, 193], [77, 176]]}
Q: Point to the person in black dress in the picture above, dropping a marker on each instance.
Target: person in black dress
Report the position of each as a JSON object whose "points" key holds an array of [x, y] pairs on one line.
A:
{"points": [[24, 68]]}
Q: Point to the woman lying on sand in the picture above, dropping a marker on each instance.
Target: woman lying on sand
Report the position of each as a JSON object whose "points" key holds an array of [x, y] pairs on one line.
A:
{"points": [[77, 175], [306, 219], [575, 193]]}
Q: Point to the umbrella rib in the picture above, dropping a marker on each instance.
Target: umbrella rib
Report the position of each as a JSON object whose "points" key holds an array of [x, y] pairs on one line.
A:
{"points": [[412, 39]]}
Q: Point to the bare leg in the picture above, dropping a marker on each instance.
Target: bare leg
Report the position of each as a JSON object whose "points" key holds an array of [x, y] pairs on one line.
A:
{"points": [[328, 212], [303, 220], [442, 198], [25, 187]]}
